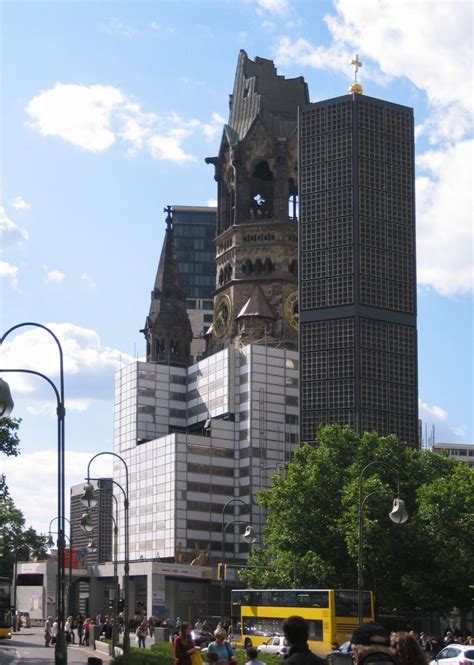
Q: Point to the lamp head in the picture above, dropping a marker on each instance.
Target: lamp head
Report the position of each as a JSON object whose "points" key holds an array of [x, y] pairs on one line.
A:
{"points": [[398, 514], [50, 541], [92, 546], [86, 522], [89, 499], [249, 535], [6, 401]]}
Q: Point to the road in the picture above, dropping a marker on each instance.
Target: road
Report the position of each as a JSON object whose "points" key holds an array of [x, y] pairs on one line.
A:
{"points": [[27, 648]]}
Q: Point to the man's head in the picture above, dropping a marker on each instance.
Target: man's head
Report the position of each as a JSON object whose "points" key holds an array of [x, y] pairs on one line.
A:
{"points": [[370, 638], [251, 653], [295, 629]]}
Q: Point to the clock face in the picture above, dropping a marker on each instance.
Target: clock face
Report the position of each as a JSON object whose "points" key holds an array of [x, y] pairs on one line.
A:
{"points": [[291, 311], [222, 314]]}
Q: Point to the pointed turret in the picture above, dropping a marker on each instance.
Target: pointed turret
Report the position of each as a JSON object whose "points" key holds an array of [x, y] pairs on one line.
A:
{"points": [[256, 319], [167, 329]]}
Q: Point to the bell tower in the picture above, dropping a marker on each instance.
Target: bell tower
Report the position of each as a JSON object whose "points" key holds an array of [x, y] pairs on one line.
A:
{"points": [[257, 238]]}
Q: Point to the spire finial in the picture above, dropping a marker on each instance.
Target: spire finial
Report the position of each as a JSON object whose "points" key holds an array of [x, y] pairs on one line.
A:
{"points": [[356, 87], [169, 219]]}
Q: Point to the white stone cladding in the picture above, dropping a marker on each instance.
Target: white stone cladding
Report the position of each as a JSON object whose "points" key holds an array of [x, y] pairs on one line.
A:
{"points": [[193, 439]]}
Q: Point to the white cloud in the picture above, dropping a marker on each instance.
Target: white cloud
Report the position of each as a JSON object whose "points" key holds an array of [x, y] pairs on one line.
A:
{"points": [[279, 7], [117, 27], [430, 413], [35, 494], [48, 408], [53, 276], [79, 114], [459, 431], [10, 233], [445, 234], [88, 365], [8, 271], [154, 25], [94, 117], [214, 127], [19, 203], [87, 279]]}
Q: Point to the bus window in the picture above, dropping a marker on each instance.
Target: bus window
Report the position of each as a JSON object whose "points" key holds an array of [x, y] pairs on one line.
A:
{"points": [[315, 630], [347, 602]]}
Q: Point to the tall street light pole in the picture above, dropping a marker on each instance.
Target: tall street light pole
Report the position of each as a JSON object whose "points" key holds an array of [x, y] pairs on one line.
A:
{"points": [[126, 577], [50, 543], [398, 515], [89, 501], [223, 552], [6, 406]]}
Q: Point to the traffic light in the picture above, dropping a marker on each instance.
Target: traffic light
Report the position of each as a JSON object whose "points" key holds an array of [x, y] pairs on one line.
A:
{"points": [[221, 571], [121, 604]]}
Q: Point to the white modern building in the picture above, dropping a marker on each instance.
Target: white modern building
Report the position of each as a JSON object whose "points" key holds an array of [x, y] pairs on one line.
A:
{"points": [[193, 439], [463, 452]]}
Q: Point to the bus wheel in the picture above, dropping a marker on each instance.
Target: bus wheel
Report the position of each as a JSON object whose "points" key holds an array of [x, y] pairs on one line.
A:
{"points": [[247, 643]]}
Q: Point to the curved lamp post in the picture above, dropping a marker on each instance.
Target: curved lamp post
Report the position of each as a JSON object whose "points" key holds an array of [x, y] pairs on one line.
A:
{"points": [[50, 543], [90, 501], [6, 406], [248, 536], [398, 515]]}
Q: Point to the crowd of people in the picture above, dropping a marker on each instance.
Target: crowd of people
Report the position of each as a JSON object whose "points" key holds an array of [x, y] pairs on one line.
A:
{"points": [[371, 642]]}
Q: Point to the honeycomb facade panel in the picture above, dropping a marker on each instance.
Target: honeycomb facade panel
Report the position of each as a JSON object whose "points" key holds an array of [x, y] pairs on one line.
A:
{"points": [[357, 267]]}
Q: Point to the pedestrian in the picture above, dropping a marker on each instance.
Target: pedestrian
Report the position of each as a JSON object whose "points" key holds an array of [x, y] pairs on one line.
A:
{"points": [[55, 631], [141, 634], [68, 631], [371, 643], [296, 632], [198, 625], [18, 622], [408, 650], [48, 631], [251, 657], [220, 646], [87, 632], [80, 630], [183, 645]]}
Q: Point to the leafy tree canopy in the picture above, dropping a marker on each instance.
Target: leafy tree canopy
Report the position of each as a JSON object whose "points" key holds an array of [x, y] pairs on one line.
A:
{"points": [[311, 533], [15, 540]]}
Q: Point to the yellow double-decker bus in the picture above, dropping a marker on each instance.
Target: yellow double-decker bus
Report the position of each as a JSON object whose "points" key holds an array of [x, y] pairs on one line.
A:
{"points": [[5, 608], [258, 614]]}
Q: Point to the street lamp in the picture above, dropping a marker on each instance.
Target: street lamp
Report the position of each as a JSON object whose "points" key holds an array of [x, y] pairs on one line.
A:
{"points": [[89, 500], [398, 515], [248, 535], [6, 406], [50, 543]]}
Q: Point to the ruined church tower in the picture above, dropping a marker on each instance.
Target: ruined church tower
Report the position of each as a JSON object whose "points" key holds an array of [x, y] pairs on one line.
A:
{"points": [[256, 238]]}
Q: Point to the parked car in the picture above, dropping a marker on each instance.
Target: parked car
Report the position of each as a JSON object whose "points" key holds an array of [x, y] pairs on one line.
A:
{"points": [[276, 645], [202, 638], [455, 654], [341, 656]]}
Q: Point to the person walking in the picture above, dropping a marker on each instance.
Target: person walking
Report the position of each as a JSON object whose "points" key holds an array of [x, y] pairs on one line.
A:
{"points": [[221, 647], [408, 650], [48, 631], [141, 634], [87, 632], [55, 631], [80, 630], [371, 643], [296, 632], [183, 645], [68, 631]]}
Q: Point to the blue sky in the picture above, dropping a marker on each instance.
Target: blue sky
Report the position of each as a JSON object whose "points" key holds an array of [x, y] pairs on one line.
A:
{"points": [[108, 111]]}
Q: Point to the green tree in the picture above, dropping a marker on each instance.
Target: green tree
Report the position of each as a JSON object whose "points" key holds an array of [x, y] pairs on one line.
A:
{"points": [[15, 540], [9, 440], [311, 532]]}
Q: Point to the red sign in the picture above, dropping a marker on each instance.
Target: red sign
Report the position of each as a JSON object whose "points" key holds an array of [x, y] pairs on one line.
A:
{"points": [[67, 554]]}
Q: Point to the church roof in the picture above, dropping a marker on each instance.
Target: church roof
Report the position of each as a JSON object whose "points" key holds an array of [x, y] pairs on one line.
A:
{"points": [[260, 91], [257, 305]]}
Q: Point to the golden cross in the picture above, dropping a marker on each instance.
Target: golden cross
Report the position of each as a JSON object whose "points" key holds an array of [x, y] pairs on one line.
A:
{"points": [[357, 65]]}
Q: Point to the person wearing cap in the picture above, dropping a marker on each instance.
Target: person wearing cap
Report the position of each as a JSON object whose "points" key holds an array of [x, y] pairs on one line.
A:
{"points": [[371, 644], [296, 632]]}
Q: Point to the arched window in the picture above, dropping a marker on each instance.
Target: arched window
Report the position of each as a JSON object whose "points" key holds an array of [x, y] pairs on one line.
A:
{"points": [[261, 191], [258, 267], [268, 266], [293, 268], [221, 277], [248, 267], [293, 199]]}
